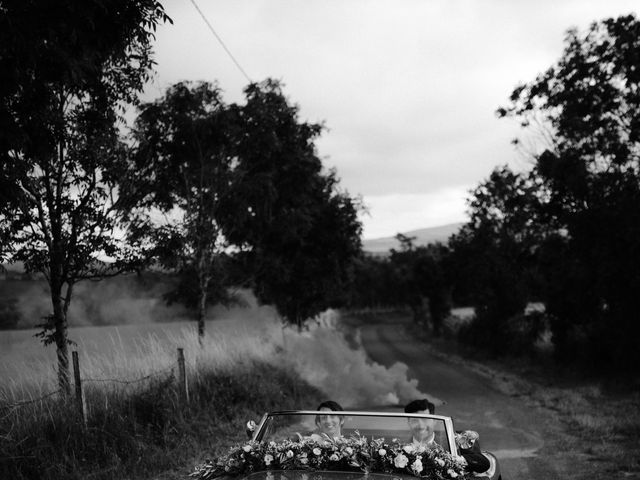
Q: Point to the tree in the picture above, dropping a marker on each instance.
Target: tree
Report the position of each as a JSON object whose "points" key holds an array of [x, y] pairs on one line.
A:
{"points": [[247, 198], [66, 70], [375, 283], [494, 260], [422, 282], [590, 106], [300, 233], [185, 164], [409, 288]]}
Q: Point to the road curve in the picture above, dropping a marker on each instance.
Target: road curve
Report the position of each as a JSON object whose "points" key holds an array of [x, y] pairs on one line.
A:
{"points": [[508, 427]]}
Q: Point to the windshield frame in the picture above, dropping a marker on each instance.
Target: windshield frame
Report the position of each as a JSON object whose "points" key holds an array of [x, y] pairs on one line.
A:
{"points": [[448, 423]]}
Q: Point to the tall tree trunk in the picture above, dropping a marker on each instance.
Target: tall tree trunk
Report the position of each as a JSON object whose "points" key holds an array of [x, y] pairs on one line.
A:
{"points": [[204, 278], [202, 306], [57, 260], [202, 311], [61, 338]]}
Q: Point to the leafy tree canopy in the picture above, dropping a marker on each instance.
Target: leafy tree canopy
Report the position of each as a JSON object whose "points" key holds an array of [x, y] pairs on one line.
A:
{"points": [[184, 169], [244, 183], [66, 70], [588, 105], [301, 229], [423, 282]]}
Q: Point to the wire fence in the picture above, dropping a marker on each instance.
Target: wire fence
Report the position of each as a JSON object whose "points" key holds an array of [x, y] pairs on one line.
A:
{"points": [[22, 403], [130, 382], [77, 389]]}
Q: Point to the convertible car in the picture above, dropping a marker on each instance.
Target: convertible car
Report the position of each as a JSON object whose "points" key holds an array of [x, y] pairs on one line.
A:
{"points": [[295, 445]]}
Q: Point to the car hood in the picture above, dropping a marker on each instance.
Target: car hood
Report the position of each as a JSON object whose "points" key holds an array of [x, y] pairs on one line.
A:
{"points": [[323, 475]]}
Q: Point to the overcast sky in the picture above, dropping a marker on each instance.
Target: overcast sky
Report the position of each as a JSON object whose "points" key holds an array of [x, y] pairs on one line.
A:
{"points": [[407, 88]]}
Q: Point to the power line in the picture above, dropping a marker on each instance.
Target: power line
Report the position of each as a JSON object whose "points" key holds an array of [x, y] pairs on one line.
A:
{"points": [[220, 40]]}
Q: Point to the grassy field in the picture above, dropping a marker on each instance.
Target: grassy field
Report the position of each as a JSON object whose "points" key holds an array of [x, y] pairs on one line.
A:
{"points": [[137, 425], [321, 354], [128, 352]]}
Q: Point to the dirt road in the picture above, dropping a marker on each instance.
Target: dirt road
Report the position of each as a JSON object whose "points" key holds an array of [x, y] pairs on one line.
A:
{"points": [[508, 426]]}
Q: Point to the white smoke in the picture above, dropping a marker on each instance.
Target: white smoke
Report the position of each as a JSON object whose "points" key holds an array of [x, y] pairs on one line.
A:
{"points": [[324, 358], [128, 299]]}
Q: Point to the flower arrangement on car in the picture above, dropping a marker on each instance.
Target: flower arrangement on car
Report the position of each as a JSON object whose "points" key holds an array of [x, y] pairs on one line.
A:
{"points": [[355, 453]]}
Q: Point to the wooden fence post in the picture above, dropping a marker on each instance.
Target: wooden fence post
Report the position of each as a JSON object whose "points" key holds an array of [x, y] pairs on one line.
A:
{"points": [[182, 376], [81, 403]]}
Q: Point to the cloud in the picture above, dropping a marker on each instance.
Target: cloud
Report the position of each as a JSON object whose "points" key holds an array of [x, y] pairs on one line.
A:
{"points": [[414, 211], [407, 89]]}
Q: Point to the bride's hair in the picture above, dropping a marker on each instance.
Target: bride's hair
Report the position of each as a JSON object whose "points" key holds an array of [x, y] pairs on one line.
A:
{"points": [[331, 405]]}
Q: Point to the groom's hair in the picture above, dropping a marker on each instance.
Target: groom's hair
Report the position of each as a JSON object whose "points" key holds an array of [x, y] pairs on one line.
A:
{"points": [[419, 406]]}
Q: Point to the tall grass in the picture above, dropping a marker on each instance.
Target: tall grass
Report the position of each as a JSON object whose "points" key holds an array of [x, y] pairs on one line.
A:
{"points": [[321, 354], [137, 426], [142, 433]]}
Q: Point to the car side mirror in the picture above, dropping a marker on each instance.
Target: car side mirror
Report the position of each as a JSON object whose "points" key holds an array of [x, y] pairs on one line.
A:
{"points": [[250, 428]]}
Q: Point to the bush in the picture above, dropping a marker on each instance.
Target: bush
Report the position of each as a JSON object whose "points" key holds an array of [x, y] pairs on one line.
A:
{"points": [[515, 336], [9, 314]]}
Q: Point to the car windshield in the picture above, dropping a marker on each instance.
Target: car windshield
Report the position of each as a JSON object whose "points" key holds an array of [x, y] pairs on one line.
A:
{"points": [[324, 425]]}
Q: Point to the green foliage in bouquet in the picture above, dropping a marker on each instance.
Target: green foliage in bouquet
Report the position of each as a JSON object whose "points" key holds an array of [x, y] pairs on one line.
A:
{"points": [[356, 453]]}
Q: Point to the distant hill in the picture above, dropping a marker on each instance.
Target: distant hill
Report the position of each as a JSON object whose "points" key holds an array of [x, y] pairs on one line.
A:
{"points": [[424, 236]]}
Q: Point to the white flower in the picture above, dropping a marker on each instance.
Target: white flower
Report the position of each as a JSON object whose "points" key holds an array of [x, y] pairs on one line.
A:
{"points": [[348, 450], [452, 474], [272, 444], [382, 452], [268, 459], [333, 458], [317, 451], [289, 454], [304, 460], [400, 461], [440, 462], [408, 448], [247, 448], [416, 466], [420, 448]]}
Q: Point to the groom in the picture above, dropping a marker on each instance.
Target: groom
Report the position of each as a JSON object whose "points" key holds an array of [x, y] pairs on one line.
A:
{"points": [[423, 434], [422, 429]]}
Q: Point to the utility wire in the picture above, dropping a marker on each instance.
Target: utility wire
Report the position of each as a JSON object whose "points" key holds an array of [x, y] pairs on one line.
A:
{"points": [[220, 40]]}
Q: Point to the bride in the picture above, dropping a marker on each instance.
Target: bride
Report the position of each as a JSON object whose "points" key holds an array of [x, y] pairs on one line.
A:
{"points": [[328, 425]]}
